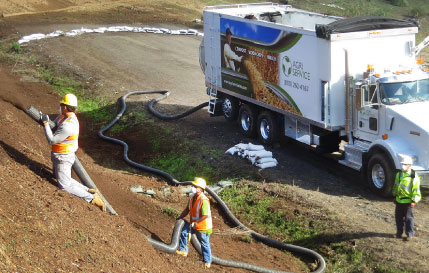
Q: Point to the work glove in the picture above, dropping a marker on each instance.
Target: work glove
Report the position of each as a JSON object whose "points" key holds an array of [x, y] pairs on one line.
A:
{"points": [[44, 118]]}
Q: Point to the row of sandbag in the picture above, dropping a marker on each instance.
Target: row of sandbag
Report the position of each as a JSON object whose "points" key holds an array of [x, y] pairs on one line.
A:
{"points": [[75, 32], [256, 154]]}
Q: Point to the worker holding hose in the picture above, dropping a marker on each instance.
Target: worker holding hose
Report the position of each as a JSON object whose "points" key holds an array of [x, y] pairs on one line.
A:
{"points": [[64, 141], [201, 222]]}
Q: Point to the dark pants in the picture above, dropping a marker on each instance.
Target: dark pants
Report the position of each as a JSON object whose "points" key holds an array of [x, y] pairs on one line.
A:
{"points": [[404, 216]]}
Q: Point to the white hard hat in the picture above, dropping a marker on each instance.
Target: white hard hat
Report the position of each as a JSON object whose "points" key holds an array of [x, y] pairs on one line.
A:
{"points": [[69, 99], [406, 160], [200, 182]]}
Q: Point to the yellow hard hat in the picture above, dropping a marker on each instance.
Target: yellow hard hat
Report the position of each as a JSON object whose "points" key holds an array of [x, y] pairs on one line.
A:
{"points": [[70, 100], [200, 182]]}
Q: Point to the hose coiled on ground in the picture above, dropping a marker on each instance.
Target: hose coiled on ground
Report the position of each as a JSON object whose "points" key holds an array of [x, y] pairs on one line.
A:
{"points": [[171, 248]]}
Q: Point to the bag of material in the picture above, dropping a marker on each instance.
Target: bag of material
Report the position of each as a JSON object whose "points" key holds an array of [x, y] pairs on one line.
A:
{"points": [[260, 154], [231, 151], [266, 159], [266, 165], [253, 147]]}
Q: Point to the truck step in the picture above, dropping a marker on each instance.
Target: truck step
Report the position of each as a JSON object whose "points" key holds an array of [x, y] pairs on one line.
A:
{"points": [[353, 154], [350, 164]]}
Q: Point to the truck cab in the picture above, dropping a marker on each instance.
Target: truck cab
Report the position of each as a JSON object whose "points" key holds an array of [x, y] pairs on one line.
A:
{"points": [[391, 119]]}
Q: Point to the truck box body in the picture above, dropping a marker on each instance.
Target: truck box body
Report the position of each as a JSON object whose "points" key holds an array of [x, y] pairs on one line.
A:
{"points": [[303, 73]]}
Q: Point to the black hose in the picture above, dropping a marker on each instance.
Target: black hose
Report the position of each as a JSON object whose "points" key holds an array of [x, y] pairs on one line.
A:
{"points": [[266, 240], [171, 248], [77, 166]]}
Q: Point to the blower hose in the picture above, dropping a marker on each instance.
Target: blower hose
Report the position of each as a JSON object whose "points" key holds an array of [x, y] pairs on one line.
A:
{"points": [[171, 248], [77, 166]]}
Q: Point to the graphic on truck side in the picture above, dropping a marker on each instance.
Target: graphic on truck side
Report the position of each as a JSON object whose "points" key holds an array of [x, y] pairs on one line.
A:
{"points": [[251, 61]]}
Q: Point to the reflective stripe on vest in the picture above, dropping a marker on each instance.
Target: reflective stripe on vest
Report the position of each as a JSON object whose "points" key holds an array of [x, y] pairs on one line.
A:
{"points": [[195, 212], [70, 144], [404, 189]]}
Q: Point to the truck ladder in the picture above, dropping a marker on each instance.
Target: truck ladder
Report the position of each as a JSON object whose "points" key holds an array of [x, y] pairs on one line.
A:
{"points": [[213, 99]]}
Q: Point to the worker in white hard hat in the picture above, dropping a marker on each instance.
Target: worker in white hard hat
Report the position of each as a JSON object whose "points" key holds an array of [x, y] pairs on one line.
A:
{"points": [[64, 141], [406, 192], [201, 222]]}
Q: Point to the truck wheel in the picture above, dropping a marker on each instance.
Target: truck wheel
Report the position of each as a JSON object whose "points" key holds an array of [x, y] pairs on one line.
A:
{"points": [[380, 175], [230, 108], [247, 120], [268, 129]]}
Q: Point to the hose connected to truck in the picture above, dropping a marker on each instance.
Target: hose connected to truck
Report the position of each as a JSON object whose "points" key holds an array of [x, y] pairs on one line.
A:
{"points": [[179, 224]]}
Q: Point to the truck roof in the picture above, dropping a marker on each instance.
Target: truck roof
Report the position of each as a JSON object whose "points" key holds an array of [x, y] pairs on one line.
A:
{"points": [[323, 25]]}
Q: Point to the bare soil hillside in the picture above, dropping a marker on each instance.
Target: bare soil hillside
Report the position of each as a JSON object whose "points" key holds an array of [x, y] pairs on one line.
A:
{"points": [[43, 229]]}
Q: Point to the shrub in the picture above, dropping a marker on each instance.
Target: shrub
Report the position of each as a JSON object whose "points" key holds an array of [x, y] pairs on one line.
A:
{"points": [[400, 3], [15, 47]]}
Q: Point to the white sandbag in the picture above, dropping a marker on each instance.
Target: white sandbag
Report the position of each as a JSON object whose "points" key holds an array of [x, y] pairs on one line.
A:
{"points": [[266, 165], [245, 154], [242, 146], [252, 159], [231, 151], [266, 159], [260, 154], [253, 147]]}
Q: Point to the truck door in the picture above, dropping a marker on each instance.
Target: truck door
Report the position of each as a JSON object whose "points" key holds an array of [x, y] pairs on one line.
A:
{"points": [[367, 126]]}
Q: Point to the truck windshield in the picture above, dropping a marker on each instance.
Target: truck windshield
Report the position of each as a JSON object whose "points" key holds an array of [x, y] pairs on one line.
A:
{"points": [[404, 92]]}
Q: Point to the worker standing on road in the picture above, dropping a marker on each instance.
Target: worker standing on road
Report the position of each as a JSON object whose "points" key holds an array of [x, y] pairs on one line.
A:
{"points": [[407, 193], [64, 141], [201, 222]]}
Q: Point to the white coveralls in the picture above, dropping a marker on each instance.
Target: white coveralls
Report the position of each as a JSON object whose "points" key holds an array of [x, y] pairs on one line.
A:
{"points": [[230, 56], [62, 162]]}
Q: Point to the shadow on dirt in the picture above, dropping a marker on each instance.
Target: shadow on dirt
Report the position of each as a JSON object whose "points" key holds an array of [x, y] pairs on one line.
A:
{"points": [[37, 168], [328, 239]]}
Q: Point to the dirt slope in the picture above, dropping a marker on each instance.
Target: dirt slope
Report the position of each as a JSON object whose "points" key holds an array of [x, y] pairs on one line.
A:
{"points": [[46, 230]]}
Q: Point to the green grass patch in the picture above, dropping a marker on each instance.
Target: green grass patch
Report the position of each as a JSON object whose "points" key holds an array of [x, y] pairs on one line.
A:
{"points": [[270, 217], [183, 166], [172, 212]]}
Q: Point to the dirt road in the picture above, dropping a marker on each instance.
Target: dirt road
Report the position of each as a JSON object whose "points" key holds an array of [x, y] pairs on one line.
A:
{"points": [[115, 63]]}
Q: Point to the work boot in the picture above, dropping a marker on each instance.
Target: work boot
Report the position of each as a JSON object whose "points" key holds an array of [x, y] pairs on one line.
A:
{"points": [[93, 190], [182, 253], [207, 265], [98, 202], [408, 238]]}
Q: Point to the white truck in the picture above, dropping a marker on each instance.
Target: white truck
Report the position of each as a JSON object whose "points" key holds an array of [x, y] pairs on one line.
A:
{"points": [[322, 80]]}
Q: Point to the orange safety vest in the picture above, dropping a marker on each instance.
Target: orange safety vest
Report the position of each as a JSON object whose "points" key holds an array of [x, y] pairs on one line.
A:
{"points": [[70, 144], [195, 212]]}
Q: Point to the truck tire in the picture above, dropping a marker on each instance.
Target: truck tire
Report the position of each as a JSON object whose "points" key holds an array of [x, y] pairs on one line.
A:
{"points": [[247, 120], [267, 128], [230, 108], [380, 175]]}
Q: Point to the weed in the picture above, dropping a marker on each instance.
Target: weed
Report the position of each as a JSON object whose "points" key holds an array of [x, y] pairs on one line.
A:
{"points": [[400, 3], [15, 47], [171, 212], [247, 239]]}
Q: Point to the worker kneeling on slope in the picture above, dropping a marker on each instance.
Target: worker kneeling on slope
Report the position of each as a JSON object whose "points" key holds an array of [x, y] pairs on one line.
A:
{"points": [[64, 141], [201, 222]]}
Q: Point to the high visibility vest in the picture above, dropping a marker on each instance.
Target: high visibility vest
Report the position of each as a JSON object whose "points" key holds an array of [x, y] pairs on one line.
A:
{"points": [[70, 144], [407, 188], [195, 212]]}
